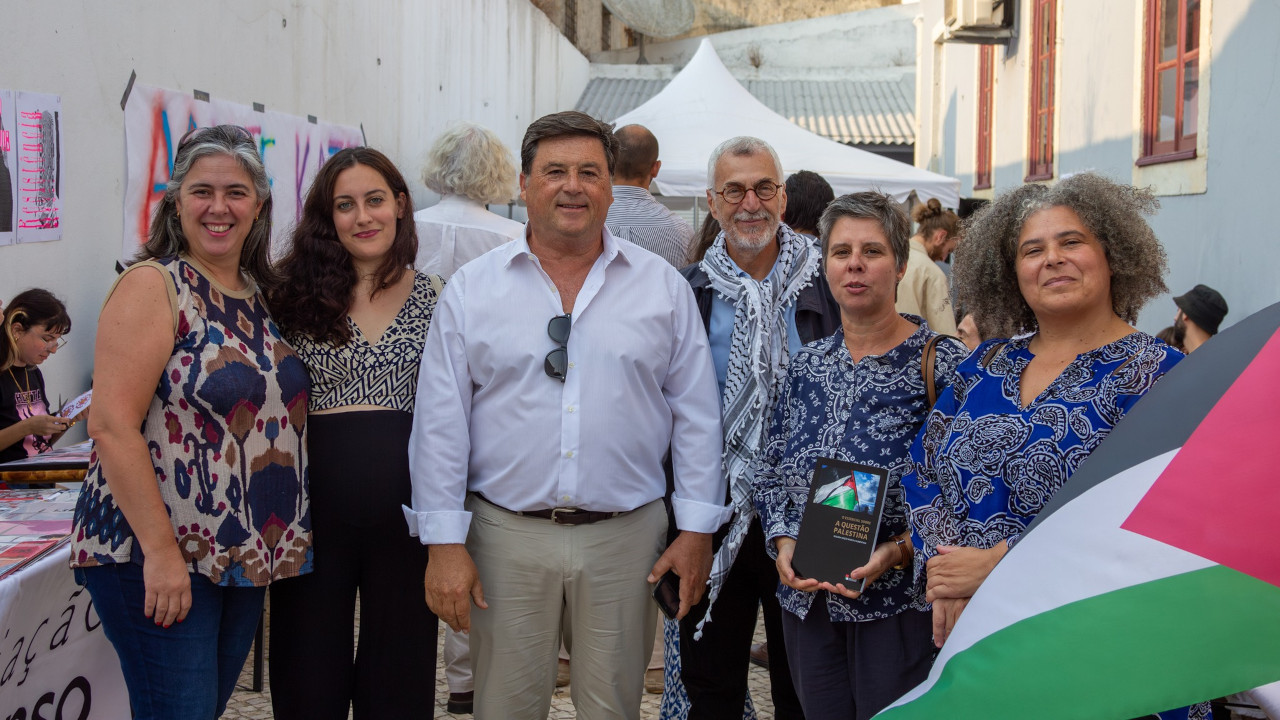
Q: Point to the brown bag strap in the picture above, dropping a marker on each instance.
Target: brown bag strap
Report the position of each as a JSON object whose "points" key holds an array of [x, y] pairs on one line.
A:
{"points": [[991, 353], [928, 361]]}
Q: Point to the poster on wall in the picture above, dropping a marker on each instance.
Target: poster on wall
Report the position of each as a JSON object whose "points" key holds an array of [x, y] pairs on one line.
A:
{"points": [[155, 119], [39, 164], [8, 166]]}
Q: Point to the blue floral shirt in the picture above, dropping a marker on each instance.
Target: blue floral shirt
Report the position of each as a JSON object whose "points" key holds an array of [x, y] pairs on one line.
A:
{"points": [[866, 412], [984, 466]]}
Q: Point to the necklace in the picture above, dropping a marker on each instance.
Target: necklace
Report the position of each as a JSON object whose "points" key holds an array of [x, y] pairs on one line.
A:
{"points": [[26, 375]]}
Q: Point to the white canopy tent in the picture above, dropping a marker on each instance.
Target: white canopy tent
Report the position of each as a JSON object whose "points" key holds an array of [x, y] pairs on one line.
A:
{"points": [[704, 105]]}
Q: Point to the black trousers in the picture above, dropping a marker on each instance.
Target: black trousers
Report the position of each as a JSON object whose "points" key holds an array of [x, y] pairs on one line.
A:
{"points": [[853, 670], [714, 669], [359, 476]]}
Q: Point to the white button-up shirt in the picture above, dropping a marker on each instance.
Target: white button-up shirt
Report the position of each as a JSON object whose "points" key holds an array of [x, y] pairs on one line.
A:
{"points": [[456, 230], [489, 420]]}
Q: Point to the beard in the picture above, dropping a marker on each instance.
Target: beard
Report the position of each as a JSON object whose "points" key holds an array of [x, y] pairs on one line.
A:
{"points": [[752, 241]]}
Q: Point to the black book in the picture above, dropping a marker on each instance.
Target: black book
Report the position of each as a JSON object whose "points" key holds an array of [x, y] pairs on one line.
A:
{"points": [[840, 522]]}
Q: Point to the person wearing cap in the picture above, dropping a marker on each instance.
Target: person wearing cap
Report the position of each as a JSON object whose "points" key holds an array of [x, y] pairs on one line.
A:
{"points": [[1200, 312]]}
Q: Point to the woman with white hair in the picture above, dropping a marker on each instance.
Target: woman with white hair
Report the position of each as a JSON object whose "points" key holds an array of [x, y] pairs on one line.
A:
{"points": [[471, 168]]}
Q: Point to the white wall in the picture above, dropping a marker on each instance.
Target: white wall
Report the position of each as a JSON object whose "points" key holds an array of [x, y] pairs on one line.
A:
{"points": [[1214, 219], [405, 69]]}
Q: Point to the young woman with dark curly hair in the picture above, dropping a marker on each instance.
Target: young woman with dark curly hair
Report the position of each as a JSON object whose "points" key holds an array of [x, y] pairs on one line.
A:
{"points": [[358, 315], [1067, 268]]}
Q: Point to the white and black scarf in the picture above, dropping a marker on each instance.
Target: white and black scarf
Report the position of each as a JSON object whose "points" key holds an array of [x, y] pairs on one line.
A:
{"points": [[758, 357]]}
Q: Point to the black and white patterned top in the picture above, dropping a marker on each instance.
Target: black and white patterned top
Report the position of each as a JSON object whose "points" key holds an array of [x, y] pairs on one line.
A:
{"points": [[385, 374]]}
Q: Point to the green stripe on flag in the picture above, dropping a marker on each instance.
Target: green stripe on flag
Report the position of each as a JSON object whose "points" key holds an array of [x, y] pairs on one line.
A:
{"points": [[1146, 648]]}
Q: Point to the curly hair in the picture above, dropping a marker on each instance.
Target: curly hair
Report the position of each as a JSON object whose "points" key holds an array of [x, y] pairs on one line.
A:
{"points": [[317, 275], [985, 273], [165, 238], [471, 161]]}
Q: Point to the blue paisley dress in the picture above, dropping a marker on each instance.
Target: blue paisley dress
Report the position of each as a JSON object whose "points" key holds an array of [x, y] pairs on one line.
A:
{"points": [[984, 466]]}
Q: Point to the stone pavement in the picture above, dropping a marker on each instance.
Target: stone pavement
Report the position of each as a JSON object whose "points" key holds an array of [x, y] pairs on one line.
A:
{"points": [[249, 705]]}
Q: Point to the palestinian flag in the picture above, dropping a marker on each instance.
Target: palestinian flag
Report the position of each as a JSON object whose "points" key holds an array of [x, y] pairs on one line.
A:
{"points": [[1152, 580]]}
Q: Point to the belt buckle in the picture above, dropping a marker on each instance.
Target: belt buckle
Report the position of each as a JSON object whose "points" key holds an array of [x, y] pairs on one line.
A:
{"points": [[558, 510]]}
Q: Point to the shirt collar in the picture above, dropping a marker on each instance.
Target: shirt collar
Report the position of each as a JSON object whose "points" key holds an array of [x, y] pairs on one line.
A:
{"points": [[631, 192], [613, 249]]}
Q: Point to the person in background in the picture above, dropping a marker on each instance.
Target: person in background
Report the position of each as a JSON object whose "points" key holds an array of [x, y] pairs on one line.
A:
{"points": [[634, 214], [808, 194], [1169, 336], [34, 325], [1064, 270], [707, 234], [854, 652], [924, 289], [196, 494], [1200, 312], [559, 372], [470, 167], [351, 304]]}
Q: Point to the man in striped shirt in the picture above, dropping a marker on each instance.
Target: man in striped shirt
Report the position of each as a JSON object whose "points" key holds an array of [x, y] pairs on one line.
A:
{"points": [[635, 215]]}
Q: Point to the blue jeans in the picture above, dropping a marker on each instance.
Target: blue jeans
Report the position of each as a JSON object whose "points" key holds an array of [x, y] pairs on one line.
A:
{"points": [[187, 670]]}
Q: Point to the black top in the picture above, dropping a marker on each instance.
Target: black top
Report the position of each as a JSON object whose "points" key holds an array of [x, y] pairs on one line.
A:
{"points": [[22, 396]]}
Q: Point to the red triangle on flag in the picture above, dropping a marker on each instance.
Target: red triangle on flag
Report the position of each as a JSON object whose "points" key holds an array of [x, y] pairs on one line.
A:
{"points": [[1218, 497]]}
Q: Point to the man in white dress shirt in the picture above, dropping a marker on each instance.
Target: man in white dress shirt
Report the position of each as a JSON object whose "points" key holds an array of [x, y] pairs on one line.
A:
{"points": [[557, 373], [471, 168]]}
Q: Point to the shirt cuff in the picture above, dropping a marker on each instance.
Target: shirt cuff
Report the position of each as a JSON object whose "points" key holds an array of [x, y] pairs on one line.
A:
{"points": [[694, 516], [438, 528]]}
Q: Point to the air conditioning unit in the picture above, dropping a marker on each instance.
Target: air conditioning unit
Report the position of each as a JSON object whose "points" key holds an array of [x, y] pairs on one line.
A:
{"points": [[978, 21]]}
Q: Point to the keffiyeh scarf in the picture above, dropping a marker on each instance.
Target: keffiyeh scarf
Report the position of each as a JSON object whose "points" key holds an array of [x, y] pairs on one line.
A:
{"points": [[757, 369]]}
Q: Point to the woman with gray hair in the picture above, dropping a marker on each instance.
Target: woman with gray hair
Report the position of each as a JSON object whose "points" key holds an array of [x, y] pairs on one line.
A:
{"points": [[470, 167], [1065, 270], [858, 396], [196, 494]]}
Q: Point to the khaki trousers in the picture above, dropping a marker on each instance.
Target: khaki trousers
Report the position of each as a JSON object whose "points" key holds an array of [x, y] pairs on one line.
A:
{"points": [[543, 580]]}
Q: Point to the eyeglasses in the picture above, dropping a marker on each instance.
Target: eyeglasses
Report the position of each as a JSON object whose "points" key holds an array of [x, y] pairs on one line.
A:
{"points": [[556, 363], [734, 193], [53, 342]]}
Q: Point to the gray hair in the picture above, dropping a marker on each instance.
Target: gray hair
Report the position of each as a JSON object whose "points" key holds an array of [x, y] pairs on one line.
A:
{"points": [[165, 238], [741, 146], [470, 160], [875, 206]]}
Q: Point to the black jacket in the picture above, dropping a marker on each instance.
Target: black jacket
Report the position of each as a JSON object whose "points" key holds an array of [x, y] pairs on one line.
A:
{"points": [[817, 315]]}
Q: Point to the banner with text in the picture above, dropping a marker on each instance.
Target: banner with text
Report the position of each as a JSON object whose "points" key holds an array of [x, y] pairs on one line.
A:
{"points": [[55, 660], [293, 149]]}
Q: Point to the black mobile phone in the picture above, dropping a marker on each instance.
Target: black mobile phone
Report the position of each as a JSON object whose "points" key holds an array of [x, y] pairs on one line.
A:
{"points": [[667, 594]]}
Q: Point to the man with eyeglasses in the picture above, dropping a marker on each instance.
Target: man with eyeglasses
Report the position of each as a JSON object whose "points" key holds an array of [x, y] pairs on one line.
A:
{"points": [[762, 294], [558, 371]]}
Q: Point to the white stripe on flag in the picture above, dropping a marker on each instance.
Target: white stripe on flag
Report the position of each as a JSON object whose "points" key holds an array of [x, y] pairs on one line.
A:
{"points": [[1077, 552]]}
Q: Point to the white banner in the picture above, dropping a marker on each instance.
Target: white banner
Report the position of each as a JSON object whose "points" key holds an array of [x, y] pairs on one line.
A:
{"points": [[155, 119], [55, 661]]}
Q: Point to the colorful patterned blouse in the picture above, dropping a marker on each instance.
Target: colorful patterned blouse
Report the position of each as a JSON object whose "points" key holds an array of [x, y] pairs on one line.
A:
{"points": [[226, 432], [865, 412], [385, 374]]}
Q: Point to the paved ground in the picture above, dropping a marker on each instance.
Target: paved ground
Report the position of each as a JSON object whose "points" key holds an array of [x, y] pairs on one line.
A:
{"points": [[249, 705]]}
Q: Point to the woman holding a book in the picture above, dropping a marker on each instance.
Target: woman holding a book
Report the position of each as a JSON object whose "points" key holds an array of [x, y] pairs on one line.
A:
{"points": [[1062, 270], [358, 314], [858, 396], [34, 323]]}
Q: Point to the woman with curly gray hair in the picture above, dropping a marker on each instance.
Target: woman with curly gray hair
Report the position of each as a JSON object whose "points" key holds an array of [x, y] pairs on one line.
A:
{"points": [[1069, 267]]}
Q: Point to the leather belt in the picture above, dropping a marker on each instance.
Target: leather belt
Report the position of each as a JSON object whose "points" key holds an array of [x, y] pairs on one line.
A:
{"points": [[560, 515]]}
